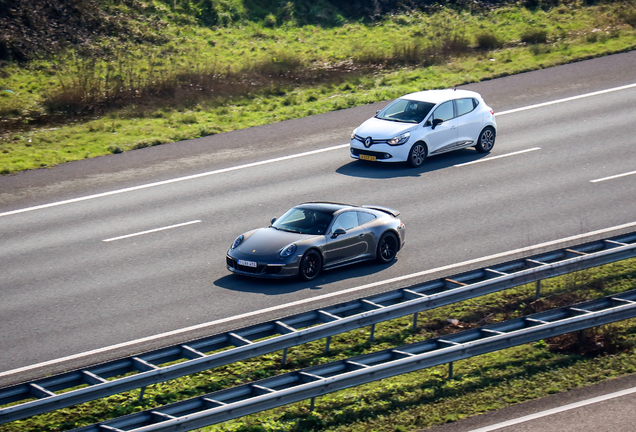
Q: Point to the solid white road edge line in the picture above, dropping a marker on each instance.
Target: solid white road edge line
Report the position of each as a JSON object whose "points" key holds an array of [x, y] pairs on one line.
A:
{"points": [[318, 298], [556, 410], [613, 177], [497, 157], [596, 93], [151, 231], [205, 174]]}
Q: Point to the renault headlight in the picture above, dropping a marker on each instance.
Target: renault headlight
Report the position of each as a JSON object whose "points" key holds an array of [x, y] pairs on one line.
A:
{"points": [[400, 139]]}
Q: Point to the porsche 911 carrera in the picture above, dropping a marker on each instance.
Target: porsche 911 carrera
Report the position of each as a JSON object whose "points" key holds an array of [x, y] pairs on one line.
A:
{"points": [[317, 236]]}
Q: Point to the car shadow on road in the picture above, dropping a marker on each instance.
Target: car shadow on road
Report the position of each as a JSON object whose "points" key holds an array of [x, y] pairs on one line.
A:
{"points": [[286, 286], [379, 170]]}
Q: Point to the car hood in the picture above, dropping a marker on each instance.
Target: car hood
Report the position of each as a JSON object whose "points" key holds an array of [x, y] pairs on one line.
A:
{"points": [[383, 129], [265, 242]]}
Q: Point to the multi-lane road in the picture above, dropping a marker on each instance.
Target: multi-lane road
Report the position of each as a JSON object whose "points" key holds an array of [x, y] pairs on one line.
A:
{"points": [[604, 407], [129, 250]]}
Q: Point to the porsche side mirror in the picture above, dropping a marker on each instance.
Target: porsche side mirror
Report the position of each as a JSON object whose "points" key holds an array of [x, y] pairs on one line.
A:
{"points": [[437, 122], [338, 231]]}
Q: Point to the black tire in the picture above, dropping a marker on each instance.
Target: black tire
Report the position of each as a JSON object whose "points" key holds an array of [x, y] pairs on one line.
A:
{"points": [[310, 265], [387, 247], [417, 155], [486, 140]]}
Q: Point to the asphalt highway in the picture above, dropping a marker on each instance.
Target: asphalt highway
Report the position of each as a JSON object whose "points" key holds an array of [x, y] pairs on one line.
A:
{"points": [[119, 248], [605, 407]]}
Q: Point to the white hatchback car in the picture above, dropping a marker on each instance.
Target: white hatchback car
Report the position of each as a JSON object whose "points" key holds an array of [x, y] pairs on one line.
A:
{"points": [[423, 124]]}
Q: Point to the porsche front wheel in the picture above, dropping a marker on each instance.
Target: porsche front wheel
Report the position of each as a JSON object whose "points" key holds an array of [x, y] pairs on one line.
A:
{"points": [[310, 265]]}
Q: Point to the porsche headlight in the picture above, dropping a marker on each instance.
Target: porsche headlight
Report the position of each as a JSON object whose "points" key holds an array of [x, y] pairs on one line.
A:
{"points": [[288, 250], [400, 139], [238, 241]]}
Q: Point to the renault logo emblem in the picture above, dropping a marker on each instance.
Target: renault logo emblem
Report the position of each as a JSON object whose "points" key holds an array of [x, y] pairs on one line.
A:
{"points": [[368, 141]]}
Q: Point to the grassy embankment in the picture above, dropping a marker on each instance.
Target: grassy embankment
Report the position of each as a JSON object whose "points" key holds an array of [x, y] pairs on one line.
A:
{"points": [[419, 399], [195, 81]]}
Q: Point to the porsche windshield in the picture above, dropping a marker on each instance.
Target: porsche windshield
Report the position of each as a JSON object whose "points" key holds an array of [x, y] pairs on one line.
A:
{"points": [[304, 221], [406, 111]]}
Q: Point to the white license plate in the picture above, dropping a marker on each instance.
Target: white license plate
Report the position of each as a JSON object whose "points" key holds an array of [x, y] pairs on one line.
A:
{"points": [[368, 158], [247, 263]]}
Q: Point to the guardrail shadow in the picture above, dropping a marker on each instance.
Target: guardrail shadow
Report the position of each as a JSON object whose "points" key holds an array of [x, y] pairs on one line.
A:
{"points": [[286, 286], [380, 170]]}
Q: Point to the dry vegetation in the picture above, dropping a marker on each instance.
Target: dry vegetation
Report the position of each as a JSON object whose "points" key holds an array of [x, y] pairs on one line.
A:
{"points": [[82, 78]]}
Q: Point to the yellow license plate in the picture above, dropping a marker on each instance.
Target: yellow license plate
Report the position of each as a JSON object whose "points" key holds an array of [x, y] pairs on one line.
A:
{"points": [[367, 157]]}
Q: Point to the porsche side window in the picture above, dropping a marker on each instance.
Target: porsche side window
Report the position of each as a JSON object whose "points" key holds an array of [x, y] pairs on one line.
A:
{"points": [[464, 106], [444, 111], [346, 221], [364, 217]]}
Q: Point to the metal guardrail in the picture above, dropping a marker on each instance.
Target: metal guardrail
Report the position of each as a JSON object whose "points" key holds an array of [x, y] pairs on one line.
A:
{"points": [[316, 381], [59, 391]]}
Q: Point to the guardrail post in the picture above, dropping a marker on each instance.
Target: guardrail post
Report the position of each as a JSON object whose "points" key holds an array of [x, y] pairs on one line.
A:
{"points": [[312, 406], [450, 371], [141, 393], [414, 321], [372, 336], [538, 287], [284, 356], [327, 344]]}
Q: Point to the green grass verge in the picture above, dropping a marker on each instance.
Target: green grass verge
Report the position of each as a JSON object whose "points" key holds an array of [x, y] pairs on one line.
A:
{"points": [[466, 47], [418, 399]]}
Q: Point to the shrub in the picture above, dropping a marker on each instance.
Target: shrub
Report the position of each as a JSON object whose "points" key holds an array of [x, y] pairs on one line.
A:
{"points": [[269, 21], [455, 44], [488, 41], [189, 118], [370, 56], [540, 49], [115, 149], [629, 18], [279, 64], [535, 37], [407, 53]]}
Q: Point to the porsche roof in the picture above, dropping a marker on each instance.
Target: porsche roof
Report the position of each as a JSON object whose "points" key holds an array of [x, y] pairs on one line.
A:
{"points": [[324, 206]]}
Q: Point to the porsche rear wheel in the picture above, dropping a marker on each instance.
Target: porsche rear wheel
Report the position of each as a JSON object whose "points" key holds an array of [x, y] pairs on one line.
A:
{"points": [[387, 247], [310, 265]]}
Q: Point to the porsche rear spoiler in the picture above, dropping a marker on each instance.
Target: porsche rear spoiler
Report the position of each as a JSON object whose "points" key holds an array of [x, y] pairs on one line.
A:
{"points": [[392, 212]]}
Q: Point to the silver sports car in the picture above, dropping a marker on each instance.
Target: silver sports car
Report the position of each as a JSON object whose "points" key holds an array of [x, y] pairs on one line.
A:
{"points": [[315, 236]]}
